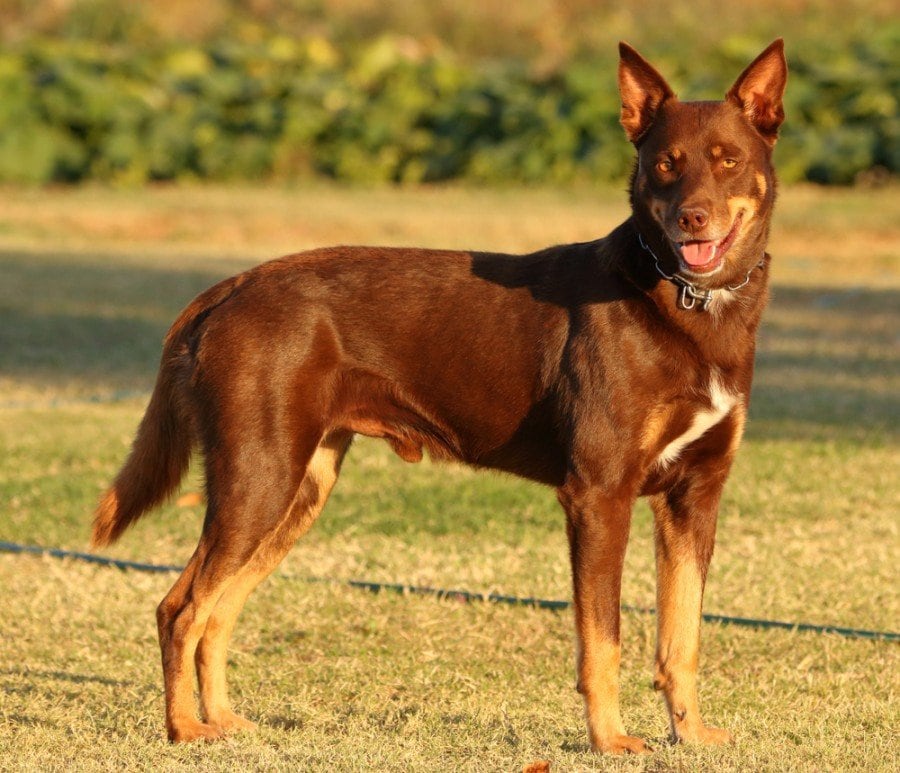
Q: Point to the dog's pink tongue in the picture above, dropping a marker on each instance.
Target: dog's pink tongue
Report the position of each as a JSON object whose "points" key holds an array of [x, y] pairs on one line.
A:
{"points": [[698, 253]]}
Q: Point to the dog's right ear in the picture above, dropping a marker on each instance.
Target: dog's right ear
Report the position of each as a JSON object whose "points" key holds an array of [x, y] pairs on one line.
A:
{"points": [[642, 89], [759, 91]]}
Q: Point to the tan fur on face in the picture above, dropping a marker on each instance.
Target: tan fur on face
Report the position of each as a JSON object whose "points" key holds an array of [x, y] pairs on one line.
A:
{"points": [[761, 184], [750, 207]]}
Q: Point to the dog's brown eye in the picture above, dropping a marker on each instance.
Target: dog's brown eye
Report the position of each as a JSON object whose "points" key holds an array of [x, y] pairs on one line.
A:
{"points": [[664, 166], [730, 163]]}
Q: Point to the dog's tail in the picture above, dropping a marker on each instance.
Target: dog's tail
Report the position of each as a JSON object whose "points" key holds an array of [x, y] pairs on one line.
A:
{"points": [[166, 436]]}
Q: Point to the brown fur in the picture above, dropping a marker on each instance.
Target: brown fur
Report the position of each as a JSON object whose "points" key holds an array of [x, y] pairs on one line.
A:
{"points": [[576, 366]]}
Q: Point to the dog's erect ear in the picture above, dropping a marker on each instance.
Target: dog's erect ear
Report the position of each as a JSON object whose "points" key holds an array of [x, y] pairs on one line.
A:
{"points": [[642, 89], [760, 89]]}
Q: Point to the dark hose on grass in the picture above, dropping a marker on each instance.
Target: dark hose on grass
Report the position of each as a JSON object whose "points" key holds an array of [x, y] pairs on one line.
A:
{"points": [[459, 595]]}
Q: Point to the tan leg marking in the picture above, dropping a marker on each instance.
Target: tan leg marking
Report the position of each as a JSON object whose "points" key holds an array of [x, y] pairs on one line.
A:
{"points": [[212, 656], [598, 682], [178, 639], [655, 427], [739, 414], [597, 527], [679, 603]]}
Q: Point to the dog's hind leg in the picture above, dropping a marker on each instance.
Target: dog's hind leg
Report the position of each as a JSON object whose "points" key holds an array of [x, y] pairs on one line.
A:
{"points": [[258, 506], [211, 657]]}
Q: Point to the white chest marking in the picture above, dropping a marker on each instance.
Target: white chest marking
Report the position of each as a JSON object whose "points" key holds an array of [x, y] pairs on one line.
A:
{"points": [[722, 402]]}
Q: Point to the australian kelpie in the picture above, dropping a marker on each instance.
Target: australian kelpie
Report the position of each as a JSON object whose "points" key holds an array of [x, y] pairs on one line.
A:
{"points": [[610, 370]]}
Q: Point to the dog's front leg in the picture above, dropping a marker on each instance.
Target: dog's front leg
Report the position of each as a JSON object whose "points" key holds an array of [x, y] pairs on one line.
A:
{"points": [[685, 530], [597, 526]]}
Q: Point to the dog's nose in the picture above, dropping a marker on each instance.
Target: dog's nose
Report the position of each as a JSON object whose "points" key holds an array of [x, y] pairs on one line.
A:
{"points": [[692, 219]]}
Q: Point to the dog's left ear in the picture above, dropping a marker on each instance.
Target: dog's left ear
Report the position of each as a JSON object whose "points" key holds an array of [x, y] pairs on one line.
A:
{"points": [[759, 91]]}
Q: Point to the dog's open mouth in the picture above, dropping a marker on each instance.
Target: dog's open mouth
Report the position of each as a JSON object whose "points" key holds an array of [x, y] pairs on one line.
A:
{"points": [[703, 257]]}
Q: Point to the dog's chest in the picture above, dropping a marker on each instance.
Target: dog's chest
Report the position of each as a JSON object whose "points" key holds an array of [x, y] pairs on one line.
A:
{"points": [[721, 403]]}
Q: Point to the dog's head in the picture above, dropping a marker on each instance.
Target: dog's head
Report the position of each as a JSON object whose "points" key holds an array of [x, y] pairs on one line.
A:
{"points": [[703, 184]]}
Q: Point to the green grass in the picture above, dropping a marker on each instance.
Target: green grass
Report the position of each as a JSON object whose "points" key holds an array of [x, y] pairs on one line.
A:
{"points": [[341, 679]]}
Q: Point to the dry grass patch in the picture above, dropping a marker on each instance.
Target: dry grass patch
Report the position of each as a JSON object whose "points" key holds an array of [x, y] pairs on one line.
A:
{"points": [[345, 680]]}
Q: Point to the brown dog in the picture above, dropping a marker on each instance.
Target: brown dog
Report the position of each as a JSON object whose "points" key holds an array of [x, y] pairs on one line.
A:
{"points": [[610, 370]]}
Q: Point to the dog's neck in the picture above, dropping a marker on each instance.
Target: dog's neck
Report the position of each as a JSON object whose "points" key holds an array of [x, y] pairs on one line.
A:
{"points": [[690, 296]]}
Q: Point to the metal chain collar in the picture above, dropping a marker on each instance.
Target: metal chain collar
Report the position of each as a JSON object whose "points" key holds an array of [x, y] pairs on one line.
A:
{"points": [[690, 294]]}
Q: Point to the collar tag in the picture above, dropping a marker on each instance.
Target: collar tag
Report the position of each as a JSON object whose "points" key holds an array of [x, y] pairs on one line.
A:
{"points": [[689, 295]]}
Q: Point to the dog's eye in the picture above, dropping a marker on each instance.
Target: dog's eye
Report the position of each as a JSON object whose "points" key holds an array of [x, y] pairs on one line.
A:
{"points": [[664, 166], [730, 163]]}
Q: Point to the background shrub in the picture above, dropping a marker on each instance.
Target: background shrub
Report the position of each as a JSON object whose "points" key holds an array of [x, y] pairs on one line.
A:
{"points": [[98, 94]]}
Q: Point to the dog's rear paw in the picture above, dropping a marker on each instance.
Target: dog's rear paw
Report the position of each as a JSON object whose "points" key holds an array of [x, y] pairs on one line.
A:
{"points": [[228, 722], [710, 736], [192, 730], [622, 744]]}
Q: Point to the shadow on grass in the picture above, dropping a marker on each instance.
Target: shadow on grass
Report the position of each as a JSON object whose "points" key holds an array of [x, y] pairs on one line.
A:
{"points": [[827, 365], [285, 723], [80, 319], [827, 362], [32, 675], [26, 720]]}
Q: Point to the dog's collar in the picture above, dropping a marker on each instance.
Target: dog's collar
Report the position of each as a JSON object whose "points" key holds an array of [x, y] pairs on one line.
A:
{"points": [[690, 294]]}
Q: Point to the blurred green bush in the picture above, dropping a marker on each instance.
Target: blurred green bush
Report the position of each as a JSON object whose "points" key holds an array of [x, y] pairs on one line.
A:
{"points": [[397, 111]]}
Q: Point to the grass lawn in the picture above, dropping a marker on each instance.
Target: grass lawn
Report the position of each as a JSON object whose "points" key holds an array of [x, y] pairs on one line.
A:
{"points": [[341, 679]]}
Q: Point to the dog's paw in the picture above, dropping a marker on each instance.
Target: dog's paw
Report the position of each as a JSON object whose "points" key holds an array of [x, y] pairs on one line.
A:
{"points": [[228, 722], [701, 734], [621, 744], [192, 730]]}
